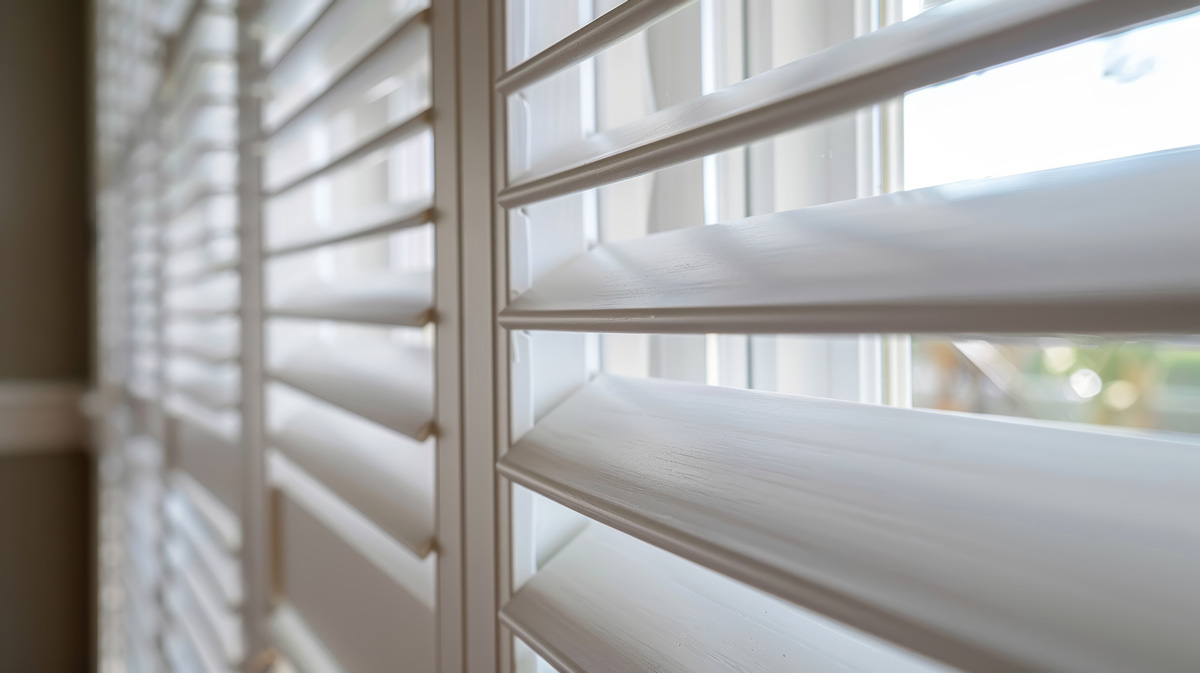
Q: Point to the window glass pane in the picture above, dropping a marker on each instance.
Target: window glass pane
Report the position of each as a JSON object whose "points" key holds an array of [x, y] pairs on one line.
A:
{"points": [[701, 48], [1130, 93]]}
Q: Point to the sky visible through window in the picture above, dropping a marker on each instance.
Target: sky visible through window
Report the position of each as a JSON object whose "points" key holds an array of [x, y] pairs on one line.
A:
{"points": [[1111, 97]]}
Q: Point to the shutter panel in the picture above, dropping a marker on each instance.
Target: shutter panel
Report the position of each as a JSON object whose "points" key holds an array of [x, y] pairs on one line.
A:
{"points": [[347, 231], [202, 591], [129, 268], [750, 525]]}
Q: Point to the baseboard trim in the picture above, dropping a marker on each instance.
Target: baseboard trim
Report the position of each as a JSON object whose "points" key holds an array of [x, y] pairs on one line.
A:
{"points": [[42, 417]]}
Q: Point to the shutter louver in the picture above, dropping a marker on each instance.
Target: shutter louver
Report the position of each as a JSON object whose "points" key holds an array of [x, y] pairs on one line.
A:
{"points": [[983, 543], [346, 193]]}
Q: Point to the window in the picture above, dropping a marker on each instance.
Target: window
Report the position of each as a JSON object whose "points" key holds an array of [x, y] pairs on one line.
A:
{"points": [[586, 336], [1130, 93]]}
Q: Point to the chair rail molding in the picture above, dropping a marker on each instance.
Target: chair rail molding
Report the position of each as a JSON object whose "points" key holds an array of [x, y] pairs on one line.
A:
{"points": [[42, 416]]}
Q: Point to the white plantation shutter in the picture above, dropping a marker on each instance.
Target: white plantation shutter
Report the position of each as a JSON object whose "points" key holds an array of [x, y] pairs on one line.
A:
{"points": [[981, 543], [168, 232], [128, 73], [348, 305], [202, 551], [512, 336]]}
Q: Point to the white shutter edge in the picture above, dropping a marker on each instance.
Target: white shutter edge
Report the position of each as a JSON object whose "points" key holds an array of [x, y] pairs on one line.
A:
{"points": [[391, 134], [269, 60], [410, 411], [395, 298], [824, 551], [299, 643], [181, 45], [407, 215], [219, 518], [209, 387], [218, 564], [222, 623], [200, 641], [177, 651], [609, 603], [946, 42], [224, 425], [1114, 254], [197, 351], [403, 28], [401, 564], [200, 274], [606, 30], [407, 513]]}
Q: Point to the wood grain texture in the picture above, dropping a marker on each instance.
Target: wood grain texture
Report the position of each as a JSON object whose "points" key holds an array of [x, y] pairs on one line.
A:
{"points": [[946, 42], [402, 299], [392, 386], [609, 603], [989, 544], [1103, 247]]}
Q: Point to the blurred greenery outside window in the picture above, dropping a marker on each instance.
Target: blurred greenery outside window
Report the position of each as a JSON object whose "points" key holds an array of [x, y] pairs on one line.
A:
{"points": [[1115, 96]]}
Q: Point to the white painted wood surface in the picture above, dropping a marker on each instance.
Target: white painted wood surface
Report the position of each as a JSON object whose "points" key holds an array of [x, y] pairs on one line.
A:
{"points": [[386, 477], [222, 623], [214, 386], [402, 299], [285, 24], [392, 386], [1104, 247], [368, 622], [299, 644], [390, 217], [219, 518], [214, 340], [609, 603], [178, 653], [955, 39], [202, 542], [211, 460], [390, 135], [986, 543], [315, 46], [413, 573], [609, 28]]}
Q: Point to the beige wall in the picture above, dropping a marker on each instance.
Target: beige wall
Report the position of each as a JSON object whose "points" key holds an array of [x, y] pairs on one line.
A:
{"points": [[43, 190], [44, 550], [45, 600]]}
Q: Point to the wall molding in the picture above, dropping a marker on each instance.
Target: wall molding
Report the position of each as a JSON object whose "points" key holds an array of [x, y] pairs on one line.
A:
{"points": [[42, 417]]}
